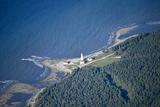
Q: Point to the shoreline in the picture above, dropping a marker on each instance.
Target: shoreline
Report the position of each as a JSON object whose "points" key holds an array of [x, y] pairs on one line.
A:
{"points": [[15, 88], [116, 41], [57, 65]]}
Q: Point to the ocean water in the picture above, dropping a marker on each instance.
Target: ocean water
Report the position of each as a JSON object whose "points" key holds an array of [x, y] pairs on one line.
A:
{"points": [[61, 29]]}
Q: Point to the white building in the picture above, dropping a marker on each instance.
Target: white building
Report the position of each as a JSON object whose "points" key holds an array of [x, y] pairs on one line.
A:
{"points": [[89, 59], [81, 59]]}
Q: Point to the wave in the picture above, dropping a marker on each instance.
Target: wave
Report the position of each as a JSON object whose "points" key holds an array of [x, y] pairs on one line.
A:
{"points": [[153, 22], [37, 62], [110, 39], [40, 58], [6, 81], [36, 57]]}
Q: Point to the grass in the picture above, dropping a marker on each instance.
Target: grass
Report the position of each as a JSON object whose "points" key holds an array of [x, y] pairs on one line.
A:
{"points": [[71, 66], [104, 62], [99, 61]]}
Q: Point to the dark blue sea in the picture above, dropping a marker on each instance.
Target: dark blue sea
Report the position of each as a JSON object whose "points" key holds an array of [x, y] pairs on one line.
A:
{"points": [[61, 29]]}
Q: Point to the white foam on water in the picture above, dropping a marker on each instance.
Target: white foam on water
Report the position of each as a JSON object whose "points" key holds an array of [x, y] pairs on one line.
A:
{"points": [[153, 23], [35, 61]]}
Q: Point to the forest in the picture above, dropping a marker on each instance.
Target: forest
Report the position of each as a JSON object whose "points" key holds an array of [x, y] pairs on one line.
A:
{"points": [[131, 82]]}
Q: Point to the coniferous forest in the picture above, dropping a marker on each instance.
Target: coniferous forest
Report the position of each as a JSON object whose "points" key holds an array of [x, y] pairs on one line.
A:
{"points": [[134, 81]]}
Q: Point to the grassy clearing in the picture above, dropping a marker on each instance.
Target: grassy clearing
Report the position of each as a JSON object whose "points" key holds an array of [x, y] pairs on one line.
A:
{"points": [[72, 67], [104, 62]]}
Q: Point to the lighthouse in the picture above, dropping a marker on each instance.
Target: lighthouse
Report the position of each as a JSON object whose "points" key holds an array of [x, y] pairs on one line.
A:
{"points": [[81, 59]]}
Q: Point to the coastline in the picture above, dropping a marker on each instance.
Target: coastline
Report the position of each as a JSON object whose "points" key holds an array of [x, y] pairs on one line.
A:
{"points": [[32, 100], [58, 65], [116, 41], [14, 89]]}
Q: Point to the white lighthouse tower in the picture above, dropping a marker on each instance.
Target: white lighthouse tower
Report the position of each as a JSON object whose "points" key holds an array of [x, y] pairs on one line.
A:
{"points": [[81, 59]]}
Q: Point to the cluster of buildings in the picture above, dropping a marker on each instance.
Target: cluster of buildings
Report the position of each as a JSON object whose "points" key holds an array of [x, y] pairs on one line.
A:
{"points": [[81, 61], [85, 60]]}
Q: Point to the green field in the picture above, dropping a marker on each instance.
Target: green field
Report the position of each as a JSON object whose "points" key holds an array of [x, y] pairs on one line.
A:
{"points": [[104, 62]]}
